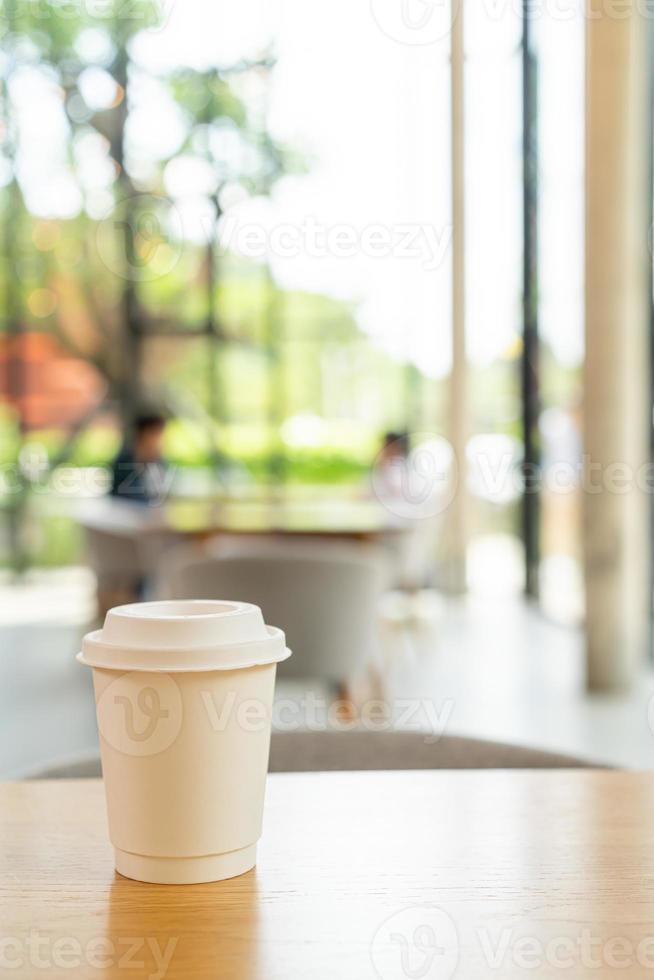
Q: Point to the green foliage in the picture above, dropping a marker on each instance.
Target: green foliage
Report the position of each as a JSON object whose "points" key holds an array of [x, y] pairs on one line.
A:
{"points": [[207, 96], [244, 365]]}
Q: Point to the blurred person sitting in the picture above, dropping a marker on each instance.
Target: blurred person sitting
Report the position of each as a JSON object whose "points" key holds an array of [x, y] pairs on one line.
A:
{"points": [[415, 484], [390, 465], [138, 471]]}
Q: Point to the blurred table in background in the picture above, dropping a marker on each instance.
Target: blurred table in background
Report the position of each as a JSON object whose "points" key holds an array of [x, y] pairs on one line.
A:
{"points": [[352, 520], [201, 518], [125, 541]]}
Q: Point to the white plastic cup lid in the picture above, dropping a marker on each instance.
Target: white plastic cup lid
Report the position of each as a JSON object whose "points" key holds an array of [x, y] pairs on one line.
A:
{"points": [[184, 635]]}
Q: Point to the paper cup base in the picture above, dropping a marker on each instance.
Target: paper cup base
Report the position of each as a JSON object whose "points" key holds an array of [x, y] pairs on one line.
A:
{"points": [[185, 871]]}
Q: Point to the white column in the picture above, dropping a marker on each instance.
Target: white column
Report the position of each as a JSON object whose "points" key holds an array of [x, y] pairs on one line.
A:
{"points": [[617, 533]]}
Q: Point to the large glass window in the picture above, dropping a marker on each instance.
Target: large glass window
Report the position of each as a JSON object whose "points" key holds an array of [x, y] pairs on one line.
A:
{"points": [[242, 212], [560, 44], [493, 293]]}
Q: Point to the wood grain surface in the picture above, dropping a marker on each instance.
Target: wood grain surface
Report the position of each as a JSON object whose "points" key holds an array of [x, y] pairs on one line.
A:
{"points": [[360, 875]]}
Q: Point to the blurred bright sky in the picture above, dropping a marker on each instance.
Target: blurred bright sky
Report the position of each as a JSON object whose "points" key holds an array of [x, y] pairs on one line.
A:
{"points": [[371, 116]]}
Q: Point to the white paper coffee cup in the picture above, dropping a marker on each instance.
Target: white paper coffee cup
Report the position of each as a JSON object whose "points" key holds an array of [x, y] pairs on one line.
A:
{"points": [[184, 693]]}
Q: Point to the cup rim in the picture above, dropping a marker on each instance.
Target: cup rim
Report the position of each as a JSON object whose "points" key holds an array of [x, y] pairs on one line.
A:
{"points": [[149, 610], [184, 648]]}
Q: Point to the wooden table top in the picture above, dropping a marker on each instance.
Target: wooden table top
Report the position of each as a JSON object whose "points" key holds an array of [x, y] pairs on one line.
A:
{"points": [[375, 875], [356, 519], [347, 519]]}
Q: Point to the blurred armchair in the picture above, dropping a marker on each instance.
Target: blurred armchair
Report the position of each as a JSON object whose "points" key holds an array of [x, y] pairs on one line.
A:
{"points": [[123, 545], [323, 597]]}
